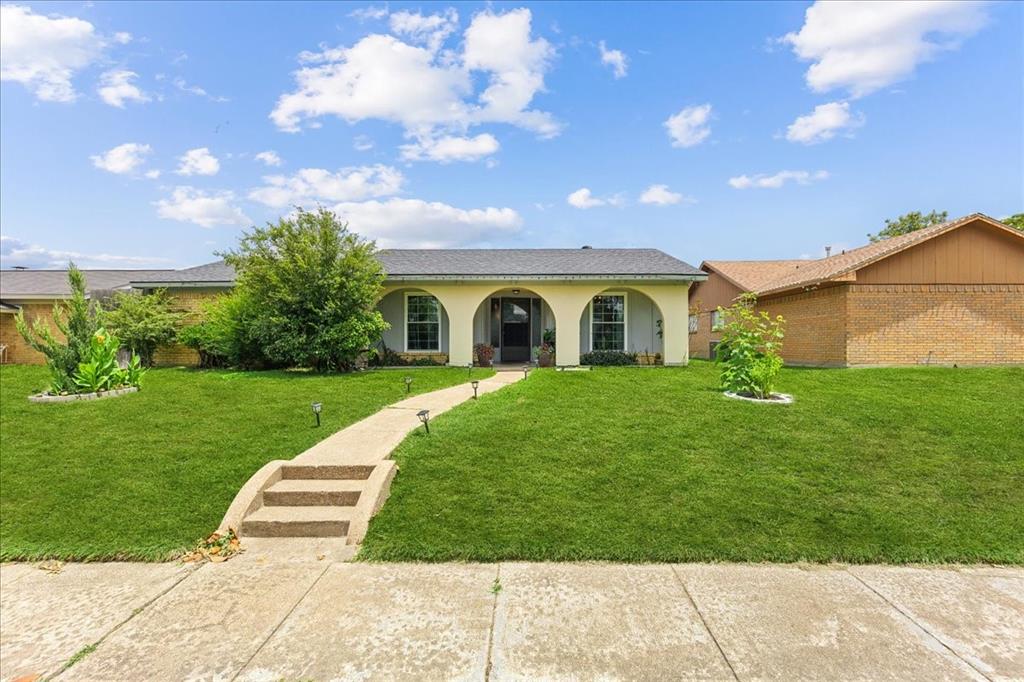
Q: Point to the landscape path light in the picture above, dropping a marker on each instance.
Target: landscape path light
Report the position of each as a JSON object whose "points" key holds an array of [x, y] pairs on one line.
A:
{"points": [[476, 385], [316, 411], [408, 384], [424, 416]]}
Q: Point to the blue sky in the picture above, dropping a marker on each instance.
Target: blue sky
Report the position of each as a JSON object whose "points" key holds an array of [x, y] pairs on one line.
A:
{"points": [[131, 131]]}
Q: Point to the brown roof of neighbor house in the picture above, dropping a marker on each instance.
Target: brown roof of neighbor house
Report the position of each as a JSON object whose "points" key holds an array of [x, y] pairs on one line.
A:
{"points": [[766, 277], [17, 284]]}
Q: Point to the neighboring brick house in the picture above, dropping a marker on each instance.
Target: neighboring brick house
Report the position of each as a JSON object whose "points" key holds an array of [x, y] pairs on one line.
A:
{"points": [[948, 294], [36, 291]]}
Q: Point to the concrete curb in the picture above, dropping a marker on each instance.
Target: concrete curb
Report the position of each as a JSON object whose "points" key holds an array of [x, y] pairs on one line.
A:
{"points": [[250, 497], [376, 493], [70, 398]]}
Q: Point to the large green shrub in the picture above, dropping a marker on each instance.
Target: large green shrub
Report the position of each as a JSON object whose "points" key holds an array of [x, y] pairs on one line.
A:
{"points": [[99, 371], [223, 335], [77, 320], [312, 288], [142, 322], [608, 358], [749, 351]]}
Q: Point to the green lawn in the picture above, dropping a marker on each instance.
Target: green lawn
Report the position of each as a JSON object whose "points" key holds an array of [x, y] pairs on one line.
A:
{"points": [[870, 465], [143, 476]]}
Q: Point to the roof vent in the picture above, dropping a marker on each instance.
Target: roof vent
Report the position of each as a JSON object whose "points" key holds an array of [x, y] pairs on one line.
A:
{"points": [[828, 251], [586, 246]]}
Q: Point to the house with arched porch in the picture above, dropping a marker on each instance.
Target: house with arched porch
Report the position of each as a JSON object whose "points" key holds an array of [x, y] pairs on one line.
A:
{"points": [[441, 303]]}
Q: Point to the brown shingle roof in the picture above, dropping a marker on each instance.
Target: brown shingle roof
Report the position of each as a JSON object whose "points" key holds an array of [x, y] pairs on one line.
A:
{"points": [[768, 277]]}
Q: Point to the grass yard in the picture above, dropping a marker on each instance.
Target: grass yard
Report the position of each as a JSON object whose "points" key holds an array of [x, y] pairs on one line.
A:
{"points": [[143, 476], [869, 465]]}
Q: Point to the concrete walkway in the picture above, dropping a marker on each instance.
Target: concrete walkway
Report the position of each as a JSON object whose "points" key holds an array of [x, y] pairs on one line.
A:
{"points": [[299, 611]]}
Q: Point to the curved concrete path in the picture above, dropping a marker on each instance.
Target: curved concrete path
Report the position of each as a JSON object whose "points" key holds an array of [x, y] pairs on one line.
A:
{"points": [[301, 614], [336, 486]]}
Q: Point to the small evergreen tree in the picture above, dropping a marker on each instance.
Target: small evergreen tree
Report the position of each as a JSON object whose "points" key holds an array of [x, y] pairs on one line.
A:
{"points": [[77, 320], [312, 286], [142, 322]]}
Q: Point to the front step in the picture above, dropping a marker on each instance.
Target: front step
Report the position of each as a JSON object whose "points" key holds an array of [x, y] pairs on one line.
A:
{"points": [[313, 492], [351, 472], [298, 522]]}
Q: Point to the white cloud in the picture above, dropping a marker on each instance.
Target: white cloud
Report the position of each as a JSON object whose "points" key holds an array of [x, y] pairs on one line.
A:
{"points": [[368, 13], [778, 180], [17, 252], [269, 157], [823, 123], [689, 127], [123, 37], [116, 88], [182, 84], [362, 143], [431, 30], [420, 224], [583, 198], [43, 53], [198, 162], [152, 174], [865, 46], [316, 185], [451, 148], [615, 59], [661, 195], [427, 90], [206, 209], [122, 159]]}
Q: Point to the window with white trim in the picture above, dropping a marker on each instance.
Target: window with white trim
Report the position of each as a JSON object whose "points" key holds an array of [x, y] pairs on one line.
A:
{"points": [[422, 323], [694, 321], [608, 322], [716, 320]]}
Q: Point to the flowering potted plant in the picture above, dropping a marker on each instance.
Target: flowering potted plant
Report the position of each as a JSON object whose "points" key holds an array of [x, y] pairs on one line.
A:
{"points": [[484, 354]]}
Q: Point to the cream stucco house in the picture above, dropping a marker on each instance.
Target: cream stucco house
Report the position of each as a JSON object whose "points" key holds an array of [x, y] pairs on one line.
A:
{"points": [[441, 302]]}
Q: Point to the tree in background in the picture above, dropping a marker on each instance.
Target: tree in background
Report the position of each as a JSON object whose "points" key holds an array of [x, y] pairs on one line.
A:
{"points": [[77, 319], [1015, 221], [909, 222], [313, 287], [142, 322], [222, 337]]}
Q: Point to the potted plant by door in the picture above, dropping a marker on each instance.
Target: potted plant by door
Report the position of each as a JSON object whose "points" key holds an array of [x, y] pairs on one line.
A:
{"points": [[484, 354], [544, 354]]}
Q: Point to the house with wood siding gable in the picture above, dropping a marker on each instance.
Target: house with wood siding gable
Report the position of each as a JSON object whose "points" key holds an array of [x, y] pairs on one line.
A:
{"points": [[947, 294]]}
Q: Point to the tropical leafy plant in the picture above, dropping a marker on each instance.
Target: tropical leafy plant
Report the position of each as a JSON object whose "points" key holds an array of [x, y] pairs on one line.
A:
{"points": [[142, 322], [77, 320], [101, 372], [748, 353]]}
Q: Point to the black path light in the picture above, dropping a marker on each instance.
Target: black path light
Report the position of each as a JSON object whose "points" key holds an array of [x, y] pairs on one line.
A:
{"points": [[424, 416], [526, 371], [408, 384], [476, 385], [316, 411], [469, 369]]}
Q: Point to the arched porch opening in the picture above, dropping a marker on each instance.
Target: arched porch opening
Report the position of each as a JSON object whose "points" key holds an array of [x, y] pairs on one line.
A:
{"points": [[420, 330], [514, 321], [623, 319]]}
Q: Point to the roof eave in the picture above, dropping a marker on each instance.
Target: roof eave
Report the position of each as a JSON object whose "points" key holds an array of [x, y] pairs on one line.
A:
{"points": [[221, 284], [564, 278]]}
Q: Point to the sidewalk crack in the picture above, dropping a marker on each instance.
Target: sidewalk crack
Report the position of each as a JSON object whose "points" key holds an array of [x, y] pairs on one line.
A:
{"points": [[280, 623], [703, 620], [913, 620], [490, 633]]}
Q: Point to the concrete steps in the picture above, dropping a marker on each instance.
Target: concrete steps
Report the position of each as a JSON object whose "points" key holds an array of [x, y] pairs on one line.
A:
{"points": [[308, 500]]}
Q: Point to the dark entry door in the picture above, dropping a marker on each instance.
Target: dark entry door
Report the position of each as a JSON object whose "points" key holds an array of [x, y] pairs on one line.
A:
{"points": [[515, 329]]}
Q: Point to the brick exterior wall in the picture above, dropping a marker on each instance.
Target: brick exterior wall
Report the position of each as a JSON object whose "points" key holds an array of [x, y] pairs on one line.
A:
{"points": [[18, 352], [816, 326], [189, 301], [905, 324], [700, 340]]}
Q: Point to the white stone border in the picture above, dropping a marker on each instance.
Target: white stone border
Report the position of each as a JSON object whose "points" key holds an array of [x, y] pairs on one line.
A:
{"points": [[779, 398], [71, 397]]}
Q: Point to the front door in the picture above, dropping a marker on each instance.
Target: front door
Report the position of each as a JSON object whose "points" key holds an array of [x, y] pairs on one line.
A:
{"points": [[515, 329]]}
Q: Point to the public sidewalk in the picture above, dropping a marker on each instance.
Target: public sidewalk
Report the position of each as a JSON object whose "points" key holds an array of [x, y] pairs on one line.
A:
{"points": [[306, 613]]}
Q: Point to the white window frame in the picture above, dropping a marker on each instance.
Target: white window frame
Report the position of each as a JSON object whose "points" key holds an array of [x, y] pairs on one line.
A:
{"points": [[716, 321], [693, 323], [625, 318], [405, 321]]}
